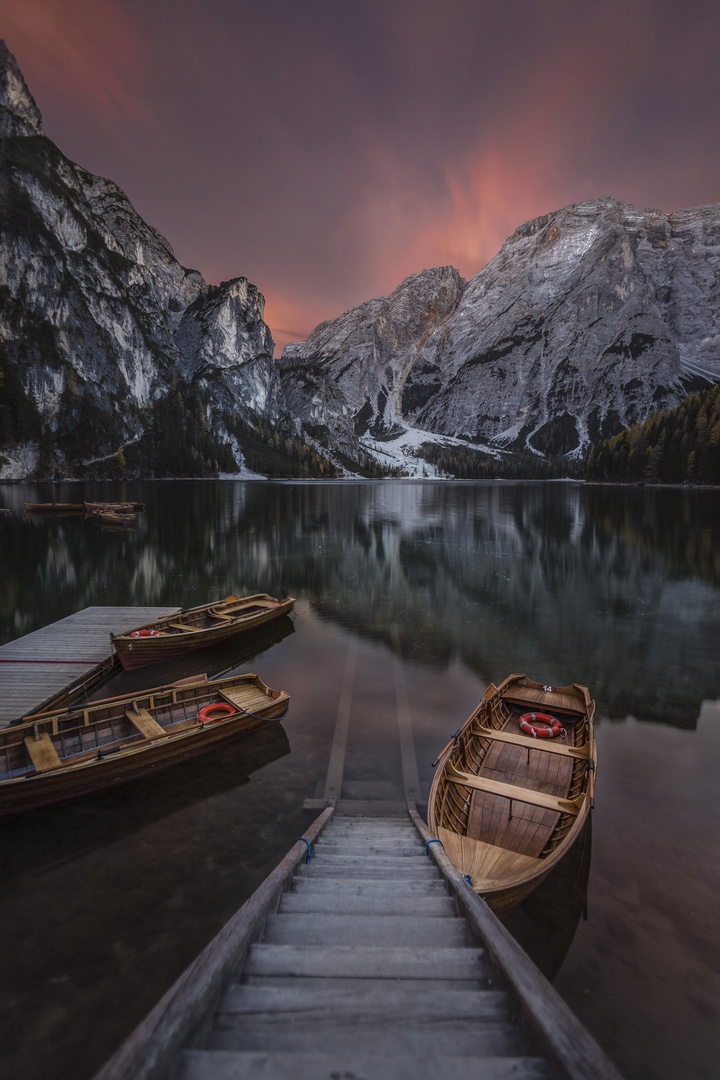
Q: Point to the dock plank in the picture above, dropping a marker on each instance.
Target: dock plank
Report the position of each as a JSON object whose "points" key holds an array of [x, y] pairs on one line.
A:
{"points": [[36, 665]]}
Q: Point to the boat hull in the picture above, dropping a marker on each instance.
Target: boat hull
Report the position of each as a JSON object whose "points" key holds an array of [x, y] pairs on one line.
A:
{"points": [[508, 807], [159, 745], [135, 652]]}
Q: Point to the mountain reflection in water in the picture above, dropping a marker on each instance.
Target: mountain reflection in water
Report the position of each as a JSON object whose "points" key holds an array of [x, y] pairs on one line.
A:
{"points": [[615, 587], [440, 588]]}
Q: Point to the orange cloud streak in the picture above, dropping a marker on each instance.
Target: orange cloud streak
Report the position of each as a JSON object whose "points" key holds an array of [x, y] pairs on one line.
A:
{"points": [[90, 52]]}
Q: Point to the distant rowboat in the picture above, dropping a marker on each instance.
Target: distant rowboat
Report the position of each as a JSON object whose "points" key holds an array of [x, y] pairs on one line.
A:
{"points": [[74, 751], [197, 628], [53, 508], [509, 798], [92, 508], [117, 518]]}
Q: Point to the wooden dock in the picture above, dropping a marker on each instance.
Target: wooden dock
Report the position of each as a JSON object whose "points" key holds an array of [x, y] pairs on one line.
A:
{"points": [[372, 959], [39, 664]]}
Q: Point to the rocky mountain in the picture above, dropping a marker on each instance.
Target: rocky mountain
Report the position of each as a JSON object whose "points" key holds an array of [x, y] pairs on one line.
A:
{"points": [[113, 356], [587, 320], [116, 360]]}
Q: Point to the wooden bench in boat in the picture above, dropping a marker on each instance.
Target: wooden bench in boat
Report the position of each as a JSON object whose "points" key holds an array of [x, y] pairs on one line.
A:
{"points": [[145, 723], [511, 791], [487, 861], [544, 700], [246, 699], [42, 753], [182, 626], [532, 744]]}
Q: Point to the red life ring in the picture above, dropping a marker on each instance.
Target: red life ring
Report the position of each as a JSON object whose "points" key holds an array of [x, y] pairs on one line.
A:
{"points": [[146, 633], [529, 719], [224, 707]]}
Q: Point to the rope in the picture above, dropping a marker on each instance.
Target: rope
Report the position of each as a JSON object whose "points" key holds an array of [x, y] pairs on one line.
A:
{"points": [[433, 842], [302, 840]]}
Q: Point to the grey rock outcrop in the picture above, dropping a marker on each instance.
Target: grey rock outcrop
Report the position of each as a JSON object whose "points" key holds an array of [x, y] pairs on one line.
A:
{"points": [[349, 375], [98, 319], [587, 320]]}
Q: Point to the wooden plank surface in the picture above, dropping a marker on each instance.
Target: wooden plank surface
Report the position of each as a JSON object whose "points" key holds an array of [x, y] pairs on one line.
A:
{"points": [[511, 791], [39, 664], [145, 724], [42, 753], [528, 743]]}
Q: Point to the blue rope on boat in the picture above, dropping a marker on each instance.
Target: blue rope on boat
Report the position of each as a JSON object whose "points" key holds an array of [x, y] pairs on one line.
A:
{"points": [[468, 878], [302, 840], [433, 842]]}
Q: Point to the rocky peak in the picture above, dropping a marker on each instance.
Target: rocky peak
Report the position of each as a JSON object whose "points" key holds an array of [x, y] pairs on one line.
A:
{"points": [[19, 115], [348, 377]]}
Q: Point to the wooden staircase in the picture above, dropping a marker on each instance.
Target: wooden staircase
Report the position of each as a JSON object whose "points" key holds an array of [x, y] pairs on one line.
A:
{"points": [[372, 960], [366, 970]]}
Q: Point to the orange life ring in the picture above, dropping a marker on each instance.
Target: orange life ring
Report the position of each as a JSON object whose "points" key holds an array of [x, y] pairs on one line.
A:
{"points": [[146, 633], [527, 724], [226, 709]]}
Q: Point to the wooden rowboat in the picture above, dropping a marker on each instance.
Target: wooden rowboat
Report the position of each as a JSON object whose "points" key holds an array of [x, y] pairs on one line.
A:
{"points": [[508, 806], [53, 508], [119, 519], [92, 508], [197, 628], [72, 752], [109, 678]]}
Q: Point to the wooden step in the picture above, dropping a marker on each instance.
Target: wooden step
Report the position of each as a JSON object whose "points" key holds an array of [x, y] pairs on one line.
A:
{"points": [[307, 1003], [388, 903], [366, 962], [407, 888], [381, 848], [338, 859], [343, 983], [358, 930], [274, 1065], [411, 1037], [364, 868]]}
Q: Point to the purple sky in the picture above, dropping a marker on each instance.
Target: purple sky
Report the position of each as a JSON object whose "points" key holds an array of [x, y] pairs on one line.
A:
{"points": [[325, 150]]}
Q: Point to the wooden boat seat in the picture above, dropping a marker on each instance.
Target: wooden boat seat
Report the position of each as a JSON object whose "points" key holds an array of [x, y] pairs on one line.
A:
{"points": [[145, 723], [532, 744], [247, 698], [43, 754], [511, 791], [182, 626], [528, 698], [486, 864]]}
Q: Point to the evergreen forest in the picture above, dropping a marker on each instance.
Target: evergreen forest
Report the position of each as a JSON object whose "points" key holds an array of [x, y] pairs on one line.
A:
{"points": [[673, 446]]}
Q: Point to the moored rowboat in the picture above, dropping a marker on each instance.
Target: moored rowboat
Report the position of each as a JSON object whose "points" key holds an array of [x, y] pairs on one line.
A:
{"points": [[53, 508], [74, 751], [508, 804], [92, 508], [197, 628], [118, 518]]}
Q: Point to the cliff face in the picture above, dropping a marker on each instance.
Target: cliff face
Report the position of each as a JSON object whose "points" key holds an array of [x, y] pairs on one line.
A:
{"points": [[99, 323], [587, 320], [348, 377], [113, 356]]}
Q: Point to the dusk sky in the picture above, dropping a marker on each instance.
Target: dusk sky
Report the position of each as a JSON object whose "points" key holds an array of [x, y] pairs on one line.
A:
{"points": [[326, 150]]}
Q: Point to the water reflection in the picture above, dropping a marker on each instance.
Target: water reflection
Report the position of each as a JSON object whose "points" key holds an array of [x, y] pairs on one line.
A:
{"points": [[38, 839], [546, 922], [613, 587]]}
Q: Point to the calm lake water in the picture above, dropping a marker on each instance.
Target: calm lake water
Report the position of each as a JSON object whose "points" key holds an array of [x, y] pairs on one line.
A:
{"points": [[440, 587]]}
